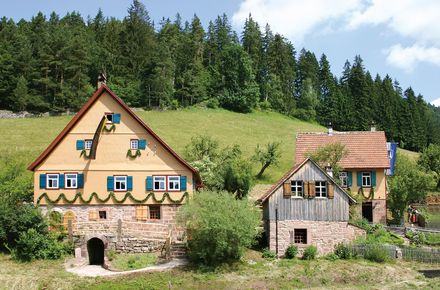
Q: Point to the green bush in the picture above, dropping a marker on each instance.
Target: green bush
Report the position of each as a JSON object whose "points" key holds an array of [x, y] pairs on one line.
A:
{"points": [[111, 255], [219, 227], [331, 257], [310, 253], [291, 251], [376, 253], [343, 251], [268, 254], [213, 103]]}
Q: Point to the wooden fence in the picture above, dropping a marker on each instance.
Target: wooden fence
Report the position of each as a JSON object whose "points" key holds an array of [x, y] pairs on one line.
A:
{"points": [[407, 253]]}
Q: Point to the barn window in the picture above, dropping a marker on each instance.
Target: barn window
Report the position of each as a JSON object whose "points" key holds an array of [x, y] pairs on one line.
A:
{"points": [[297, 188], [321, 189], [300, 236], [154, 212], [366, 179]]}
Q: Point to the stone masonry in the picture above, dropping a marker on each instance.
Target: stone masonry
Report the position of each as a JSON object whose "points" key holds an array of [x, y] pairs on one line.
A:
{"points": [[322, 234], [379, 211]]}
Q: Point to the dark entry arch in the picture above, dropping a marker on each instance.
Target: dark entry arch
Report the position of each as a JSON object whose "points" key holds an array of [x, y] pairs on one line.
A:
{"points": [[95, 249]]}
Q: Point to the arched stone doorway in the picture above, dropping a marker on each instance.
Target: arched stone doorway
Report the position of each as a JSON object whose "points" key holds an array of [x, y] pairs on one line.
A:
{"points": [[95, 250]]}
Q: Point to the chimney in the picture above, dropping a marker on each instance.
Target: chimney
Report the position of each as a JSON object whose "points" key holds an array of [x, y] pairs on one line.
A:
{"points": [[102, 80], [373, 127], [330, 129], [329, 170]]}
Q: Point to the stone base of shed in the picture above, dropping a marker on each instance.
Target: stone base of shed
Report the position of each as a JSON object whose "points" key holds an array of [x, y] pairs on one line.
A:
{"points": [[322, 234]]}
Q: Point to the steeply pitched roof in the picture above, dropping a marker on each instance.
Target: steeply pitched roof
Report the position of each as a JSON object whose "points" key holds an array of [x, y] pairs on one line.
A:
{"points": [[291, 172], [82, 112], [365, 149]]}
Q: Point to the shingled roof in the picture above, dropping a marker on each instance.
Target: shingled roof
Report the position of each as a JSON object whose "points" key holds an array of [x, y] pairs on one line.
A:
{"points": [[366, 149]]}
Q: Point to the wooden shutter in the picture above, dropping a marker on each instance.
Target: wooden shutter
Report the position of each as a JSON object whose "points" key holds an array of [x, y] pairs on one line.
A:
{"points": [[142, 144], [141, 213], [110, 182], [149, 183], [129, 183], [330, 190], [183, 183], [61, 181], [306, 188], [359, 178], [373, 178], [42, 181], [80, 180], [287, 189], [116, 118], [79, 144], [350, 178], [93, 215], [312, 189]]}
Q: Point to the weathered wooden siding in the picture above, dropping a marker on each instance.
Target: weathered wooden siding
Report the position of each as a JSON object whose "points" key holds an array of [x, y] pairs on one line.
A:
{"points": [[314, 209]]}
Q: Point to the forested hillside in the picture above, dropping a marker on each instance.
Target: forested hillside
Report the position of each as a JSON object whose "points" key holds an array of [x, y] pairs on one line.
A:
{"points": [[52, 63]]}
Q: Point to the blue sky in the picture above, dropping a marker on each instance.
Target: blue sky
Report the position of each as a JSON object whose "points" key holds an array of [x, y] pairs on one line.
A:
{"points": [[396, 37]]}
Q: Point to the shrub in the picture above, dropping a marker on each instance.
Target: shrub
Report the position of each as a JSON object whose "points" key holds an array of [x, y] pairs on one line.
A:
{"points": [[331, 257], [111, 255], [376, 253], [213, 103], [264, 106], [310, 253], [268, 254], [174, 105], [291, 251], [343, 251], [219, 226]]}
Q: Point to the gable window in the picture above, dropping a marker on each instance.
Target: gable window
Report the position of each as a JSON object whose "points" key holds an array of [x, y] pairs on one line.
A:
{"points": [[159, 183], [300, 236], [366, 179], [88, 144], [134, 144], [154, 212], [52, 181], [297, 188], [102, 214], [343, 177], [120, 183], [321, 189], [71, 180], [109, 118], [173, 183]]}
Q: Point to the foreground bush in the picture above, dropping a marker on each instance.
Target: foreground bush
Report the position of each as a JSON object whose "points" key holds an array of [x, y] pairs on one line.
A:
{"points": [[291, 251], [268, 254], [343, 251], [310, 253], [376, 253], [219, 226]]}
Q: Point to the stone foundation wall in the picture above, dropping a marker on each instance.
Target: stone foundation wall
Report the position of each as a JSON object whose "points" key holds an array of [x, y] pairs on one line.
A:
{"points": [[322, 234], [379, 211]]}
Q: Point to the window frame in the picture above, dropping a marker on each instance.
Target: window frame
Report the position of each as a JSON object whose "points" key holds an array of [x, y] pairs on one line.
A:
{"points": [[168, 182], [366, 175], [105, 215], [88, 141], [57, 180], [159, 208], [301, 237], [294, 188], [107, 121], [114, 183], [65, 180], [343, 177], [164, 181], [322, 188], [136, 142]]}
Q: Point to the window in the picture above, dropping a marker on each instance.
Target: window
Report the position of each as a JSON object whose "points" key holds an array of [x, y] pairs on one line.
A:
{"points": [[109, 118], [173, 183], [366, 179], [154, 212], [120, 183], [93, 215], [71, 180], [300, 236], [141, 213], [297, 188], [343, 177], [52, 181], [159, 183], [88, 144], [134, 144], [321, 189], [102, 215]]}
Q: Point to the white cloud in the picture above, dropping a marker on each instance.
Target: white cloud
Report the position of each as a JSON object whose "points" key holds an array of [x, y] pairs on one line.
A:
{"points": [[407, 58], [436, 102], [295, 18]]}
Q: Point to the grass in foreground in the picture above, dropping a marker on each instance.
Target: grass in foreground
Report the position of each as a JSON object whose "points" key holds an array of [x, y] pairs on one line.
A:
{"points": [[126, 262]]}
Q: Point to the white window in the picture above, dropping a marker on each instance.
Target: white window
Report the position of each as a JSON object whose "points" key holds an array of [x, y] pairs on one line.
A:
{"points": [[52, 181], [321, 189], [88, 144], [366, 179], [120, 183], [159, 183], [343, 177], [297, 188], [71, 180], [134, 144], [109, 118], [173, 183]]}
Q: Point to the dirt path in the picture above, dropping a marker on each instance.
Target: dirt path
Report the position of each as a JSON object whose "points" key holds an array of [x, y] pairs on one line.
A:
{"points": [[98, 271]]}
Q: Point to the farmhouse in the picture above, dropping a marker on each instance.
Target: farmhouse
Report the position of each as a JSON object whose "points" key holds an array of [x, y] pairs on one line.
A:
{"points": [[364, 166], [307, 207], [115, 183]]}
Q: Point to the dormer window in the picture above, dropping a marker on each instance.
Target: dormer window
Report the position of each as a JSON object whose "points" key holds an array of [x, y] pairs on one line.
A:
{"points": [[109, 118], [134, 144], [88, 144]]}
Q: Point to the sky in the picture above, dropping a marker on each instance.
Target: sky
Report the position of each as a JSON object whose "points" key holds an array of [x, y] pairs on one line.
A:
{"points": [[396, 37]]}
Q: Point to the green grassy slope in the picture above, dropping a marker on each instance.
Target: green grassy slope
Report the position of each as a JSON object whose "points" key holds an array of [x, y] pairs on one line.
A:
{"points": [[29, 137]]}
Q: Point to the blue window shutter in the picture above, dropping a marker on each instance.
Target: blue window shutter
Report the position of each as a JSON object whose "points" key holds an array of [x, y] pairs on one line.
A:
{"points": [[373, 178], [80, 180], [79, 144], [129, 183], [42, 180], [142, 144], [149, 182], [116, 118], [110, 181], [61, 181], [350, 178], [359, 178], [183, 183]]}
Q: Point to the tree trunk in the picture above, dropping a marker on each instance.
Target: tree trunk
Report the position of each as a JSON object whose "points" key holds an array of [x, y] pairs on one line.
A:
{"points": [[262, 170]]}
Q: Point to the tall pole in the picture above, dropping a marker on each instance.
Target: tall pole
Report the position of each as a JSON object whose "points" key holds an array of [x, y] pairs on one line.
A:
{"points": [[276, 230]]}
